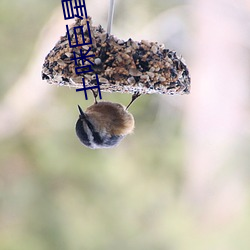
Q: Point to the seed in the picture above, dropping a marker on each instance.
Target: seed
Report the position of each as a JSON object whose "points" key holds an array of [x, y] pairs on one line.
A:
{"points": [[154, 49], [98, 61], [145, 78], [131, 80], [134, 72], [103, 80]]}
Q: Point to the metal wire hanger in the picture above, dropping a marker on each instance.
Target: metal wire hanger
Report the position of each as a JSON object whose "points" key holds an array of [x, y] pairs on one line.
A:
{"points": [[110, 16]]}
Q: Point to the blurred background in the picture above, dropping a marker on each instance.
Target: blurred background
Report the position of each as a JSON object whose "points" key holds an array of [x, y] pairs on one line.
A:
{"points": [[180, 182]]}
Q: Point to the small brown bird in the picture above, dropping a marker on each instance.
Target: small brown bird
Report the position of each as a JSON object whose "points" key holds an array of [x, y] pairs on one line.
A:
{"points": [[104, 124]]}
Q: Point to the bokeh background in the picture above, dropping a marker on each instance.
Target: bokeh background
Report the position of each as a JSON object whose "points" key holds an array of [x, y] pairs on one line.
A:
{"points": [[180, 182]]}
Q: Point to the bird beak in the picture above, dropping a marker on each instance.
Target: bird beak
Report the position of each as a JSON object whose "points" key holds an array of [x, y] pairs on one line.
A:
{"points": [[82, 115]]}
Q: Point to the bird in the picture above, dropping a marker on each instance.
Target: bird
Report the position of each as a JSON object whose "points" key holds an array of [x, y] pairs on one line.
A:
{"points": [[104, 124]]}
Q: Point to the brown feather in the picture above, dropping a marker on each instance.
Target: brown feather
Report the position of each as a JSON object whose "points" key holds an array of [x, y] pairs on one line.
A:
{"points": [[111, 117]]}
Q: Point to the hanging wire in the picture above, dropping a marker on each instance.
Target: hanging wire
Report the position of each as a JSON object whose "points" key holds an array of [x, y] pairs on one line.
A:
{"points": [[110, 16]]}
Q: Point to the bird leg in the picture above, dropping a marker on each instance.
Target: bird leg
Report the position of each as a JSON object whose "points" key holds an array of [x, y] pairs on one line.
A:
{"points": [[134, 97], [95, 94]]}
